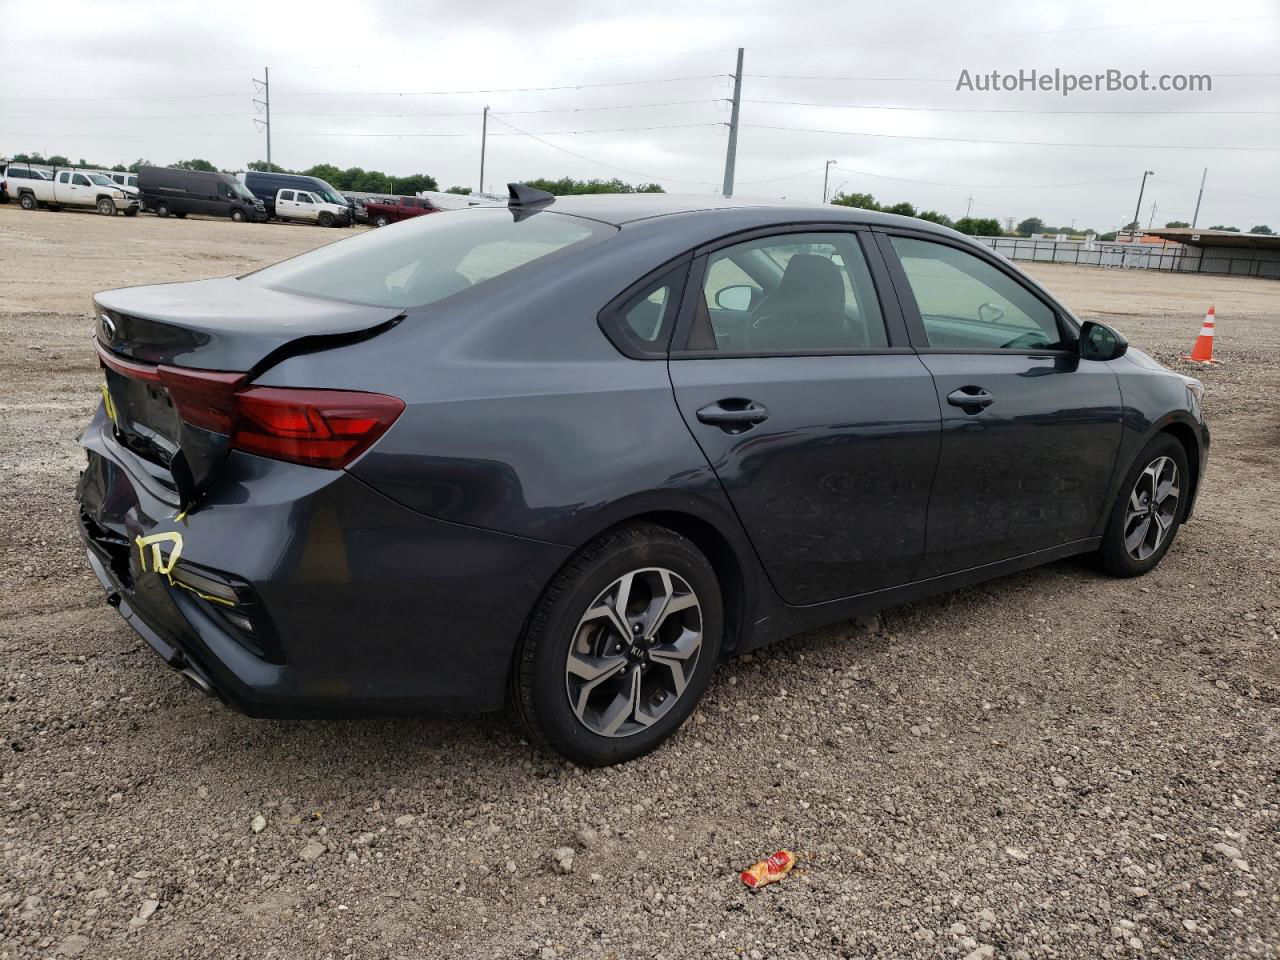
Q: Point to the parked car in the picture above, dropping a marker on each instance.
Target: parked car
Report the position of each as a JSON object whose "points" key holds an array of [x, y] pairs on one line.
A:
{"points": [[169, 191], [304, 205], [265, 186], [396, 209], [571, 453], [68, 187]]}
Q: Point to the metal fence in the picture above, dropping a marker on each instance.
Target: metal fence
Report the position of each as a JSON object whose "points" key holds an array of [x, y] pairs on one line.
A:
{"points": [[1137, 256]]}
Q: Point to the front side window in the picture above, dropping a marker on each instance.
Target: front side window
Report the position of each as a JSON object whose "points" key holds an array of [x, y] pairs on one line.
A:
{"points": [[967, 304], [80, 180], [304, 197], [791, 293], [426, 259]]}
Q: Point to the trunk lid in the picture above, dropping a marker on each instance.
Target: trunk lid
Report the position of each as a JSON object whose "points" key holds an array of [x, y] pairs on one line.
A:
{"points": [[173, 354]]}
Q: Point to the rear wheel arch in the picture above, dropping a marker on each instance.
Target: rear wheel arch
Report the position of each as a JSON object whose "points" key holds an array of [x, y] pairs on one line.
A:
{"points": [[710, 541], [724, 560]]}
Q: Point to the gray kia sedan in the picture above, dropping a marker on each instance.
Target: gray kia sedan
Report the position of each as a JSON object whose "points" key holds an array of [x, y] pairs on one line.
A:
{"points": [[568, 453]]}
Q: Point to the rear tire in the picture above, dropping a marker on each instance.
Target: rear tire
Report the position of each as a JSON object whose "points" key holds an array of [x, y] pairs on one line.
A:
{"points": [[585, 690], [28, 201], [162, 210], [106, 207], [1148, 510], [237, 215]]}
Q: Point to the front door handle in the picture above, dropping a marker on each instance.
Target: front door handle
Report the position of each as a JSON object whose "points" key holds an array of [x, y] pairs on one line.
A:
{"points": [[970, 399], [733, 415]]}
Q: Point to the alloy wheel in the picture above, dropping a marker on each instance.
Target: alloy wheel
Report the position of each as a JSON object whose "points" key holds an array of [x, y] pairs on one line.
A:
{"points": [[633, 652], [1152, 507]]}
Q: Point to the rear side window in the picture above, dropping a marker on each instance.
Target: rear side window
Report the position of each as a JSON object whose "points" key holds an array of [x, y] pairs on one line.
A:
{"points": [[286, 194], [426, 259], [966, 303], [640, 325]]}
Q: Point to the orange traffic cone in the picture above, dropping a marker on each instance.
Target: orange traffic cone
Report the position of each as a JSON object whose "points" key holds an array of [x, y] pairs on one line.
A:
{"points": [[1202, 352]]}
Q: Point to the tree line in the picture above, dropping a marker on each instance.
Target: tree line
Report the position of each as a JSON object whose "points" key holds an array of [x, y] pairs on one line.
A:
{"points": [[974, 226]]}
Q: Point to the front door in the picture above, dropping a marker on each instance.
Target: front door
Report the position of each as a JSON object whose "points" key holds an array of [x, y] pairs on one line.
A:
{"points": [[818, 418], [1030, 432]]}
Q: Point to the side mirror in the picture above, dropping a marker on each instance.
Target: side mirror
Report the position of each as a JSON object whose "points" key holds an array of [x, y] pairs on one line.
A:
{"points": [[1100, 342], [738, 297]]}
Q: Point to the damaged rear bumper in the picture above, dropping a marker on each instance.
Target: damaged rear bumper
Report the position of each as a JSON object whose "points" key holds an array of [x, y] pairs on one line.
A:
{"points": [[359, 606]]}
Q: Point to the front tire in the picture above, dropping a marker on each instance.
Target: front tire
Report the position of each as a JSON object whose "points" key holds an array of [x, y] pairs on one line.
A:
{"points": [[380, 221], [1148, 510], [106, 207], [237, 215], [620, 648], [325, 219], [28, 201]]}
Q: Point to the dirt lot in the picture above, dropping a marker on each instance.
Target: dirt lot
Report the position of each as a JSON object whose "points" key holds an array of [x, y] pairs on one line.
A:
{"points": [[1052, 765]]}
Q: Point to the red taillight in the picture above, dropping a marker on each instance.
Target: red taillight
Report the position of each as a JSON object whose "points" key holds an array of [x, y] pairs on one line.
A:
{"points": [[320, 428], [203, 398]]}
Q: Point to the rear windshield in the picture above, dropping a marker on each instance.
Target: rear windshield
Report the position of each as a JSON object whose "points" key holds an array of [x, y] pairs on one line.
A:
{"points": [[427, 259]]}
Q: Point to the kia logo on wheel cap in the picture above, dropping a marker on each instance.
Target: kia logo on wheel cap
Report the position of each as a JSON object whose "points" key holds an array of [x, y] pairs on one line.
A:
{"points": [[108, 328]]}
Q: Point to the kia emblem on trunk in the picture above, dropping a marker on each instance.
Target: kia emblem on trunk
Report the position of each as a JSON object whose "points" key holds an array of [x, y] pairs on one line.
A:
{"points": [[108, 328]]}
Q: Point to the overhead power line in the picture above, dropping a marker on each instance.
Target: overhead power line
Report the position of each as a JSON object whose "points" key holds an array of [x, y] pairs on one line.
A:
{"points": [[1019, 143], [881, 106], [487, 90], [601, 163], [375, 93], [985, 186], [471, 133]]}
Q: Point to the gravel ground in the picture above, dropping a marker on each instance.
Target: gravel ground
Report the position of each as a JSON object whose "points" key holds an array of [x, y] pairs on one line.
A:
{"points": [[1051, 765]]}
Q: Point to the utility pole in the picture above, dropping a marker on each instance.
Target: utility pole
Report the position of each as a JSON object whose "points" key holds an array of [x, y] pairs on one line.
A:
{"points": [[265, 86], [731, 157], [1196, 216], [826, 171], [1137, 211], [969, 206], [1151, 222], [484, 136]]}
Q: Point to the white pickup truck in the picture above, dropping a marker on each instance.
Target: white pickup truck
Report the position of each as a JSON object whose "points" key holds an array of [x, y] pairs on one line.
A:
{"points": [[306, 205], [33, 187]]}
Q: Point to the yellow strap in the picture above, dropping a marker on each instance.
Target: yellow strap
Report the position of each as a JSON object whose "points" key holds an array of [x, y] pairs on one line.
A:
{"points": [[158, 562], [107, 405]]}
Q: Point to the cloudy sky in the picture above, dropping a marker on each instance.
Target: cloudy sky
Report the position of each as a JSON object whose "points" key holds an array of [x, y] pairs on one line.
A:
{"points": [[639, 90]]}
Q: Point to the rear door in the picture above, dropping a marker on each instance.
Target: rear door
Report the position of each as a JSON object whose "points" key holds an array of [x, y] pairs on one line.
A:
{"points": [[1030, 433], [797, 381], [286, 206]]}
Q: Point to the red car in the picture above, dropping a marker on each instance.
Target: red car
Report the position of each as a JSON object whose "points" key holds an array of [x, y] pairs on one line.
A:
{"points": [[402, 208]]}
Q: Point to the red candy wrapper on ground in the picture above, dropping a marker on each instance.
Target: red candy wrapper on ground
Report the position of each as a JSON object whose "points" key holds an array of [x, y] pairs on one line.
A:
{"points": [[767, 871]]}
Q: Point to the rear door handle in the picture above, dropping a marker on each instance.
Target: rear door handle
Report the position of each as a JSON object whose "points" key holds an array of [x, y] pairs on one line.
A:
{"points": [[733, 415], [973, 399]]}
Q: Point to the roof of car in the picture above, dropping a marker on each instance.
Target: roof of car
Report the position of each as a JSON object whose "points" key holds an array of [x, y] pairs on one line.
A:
{"points": [[623, 208]]}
